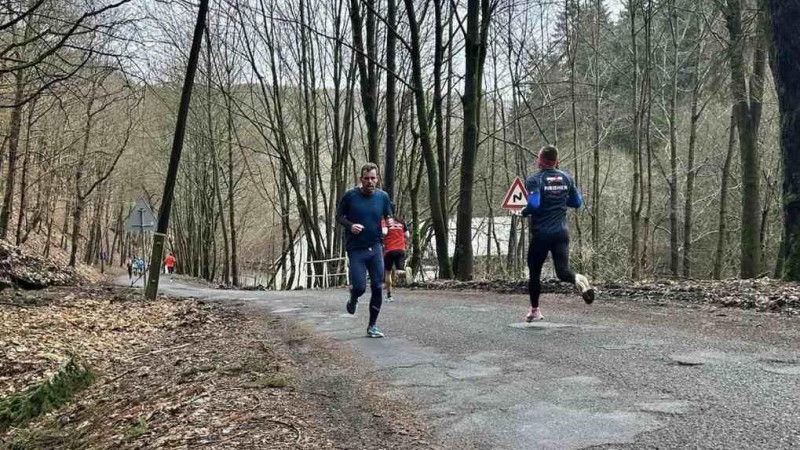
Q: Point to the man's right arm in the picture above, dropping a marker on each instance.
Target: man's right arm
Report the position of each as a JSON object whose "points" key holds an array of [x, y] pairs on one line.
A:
{"points": [[343, 221], [341, 212], [534, 196]]}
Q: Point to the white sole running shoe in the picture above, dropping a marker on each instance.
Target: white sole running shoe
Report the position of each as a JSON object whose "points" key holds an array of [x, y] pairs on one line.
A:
{"points": [[534, 314], [586, 289]]}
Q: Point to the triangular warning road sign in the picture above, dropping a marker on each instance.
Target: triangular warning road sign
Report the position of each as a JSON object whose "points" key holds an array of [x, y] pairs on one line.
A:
{"points": [[517, 197]]}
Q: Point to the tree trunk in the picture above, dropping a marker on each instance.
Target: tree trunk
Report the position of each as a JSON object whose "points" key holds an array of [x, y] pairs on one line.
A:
{"points": [[367, 72], [595, 200], [647, 97], [389, 167], [747, 107], [785, 52], [674, 251], [723, 199], [635, 204], [688, 209], [15, 130], [65, 225], [234, 257], [79, 173], [23, 182], [212, 148], [416, 227], [478, 20], [441, 125], [437, 216]]}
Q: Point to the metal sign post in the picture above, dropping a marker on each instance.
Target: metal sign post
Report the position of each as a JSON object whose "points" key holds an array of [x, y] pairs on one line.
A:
{"points": [[141, 236], [140, 220]]}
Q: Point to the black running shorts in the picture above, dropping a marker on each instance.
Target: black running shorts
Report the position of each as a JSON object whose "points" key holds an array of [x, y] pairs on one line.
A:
{"points": [[396, 259]]}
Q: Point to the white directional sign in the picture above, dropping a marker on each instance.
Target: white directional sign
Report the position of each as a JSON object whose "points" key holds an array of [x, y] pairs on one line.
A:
{"points": [[141, 218], [517, 197]]}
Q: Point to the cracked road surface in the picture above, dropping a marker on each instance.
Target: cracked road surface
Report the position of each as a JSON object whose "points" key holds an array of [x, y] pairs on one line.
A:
{"points": [[615, 375]]}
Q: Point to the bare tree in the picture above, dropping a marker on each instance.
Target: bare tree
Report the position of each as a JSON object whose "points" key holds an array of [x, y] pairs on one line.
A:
{"points": [[747, 93], [437, 208], [479, 16]]}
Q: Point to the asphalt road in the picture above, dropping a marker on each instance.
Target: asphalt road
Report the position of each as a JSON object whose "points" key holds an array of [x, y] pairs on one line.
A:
{"points": [[614, 375]]}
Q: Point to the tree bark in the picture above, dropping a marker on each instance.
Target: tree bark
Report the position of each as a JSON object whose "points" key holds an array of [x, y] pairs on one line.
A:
{"points": [[80, 198], [722, 222], [389, 167], [23, 182], [437, 216], [595, 200], [635, 203], [746, 95], [785, 52], [212, 148], [691, 174], [674, 251], [15, 130], [367, 71], [479, 13], [231, 202]]}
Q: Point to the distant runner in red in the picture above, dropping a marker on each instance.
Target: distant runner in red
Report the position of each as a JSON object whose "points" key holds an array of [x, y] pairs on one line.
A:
{"points": [[169, 263], [394, 251]]}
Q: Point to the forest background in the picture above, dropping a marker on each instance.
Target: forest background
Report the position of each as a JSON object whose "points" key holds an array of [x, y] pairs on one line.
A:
{"points": [[664, 111]]}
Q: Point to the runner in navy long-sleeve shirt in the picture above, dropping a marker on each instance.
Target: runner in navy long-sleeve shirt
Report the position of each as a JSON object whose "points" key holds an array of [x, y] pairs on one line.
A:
{"points": [[360, 212], [550, 192]]}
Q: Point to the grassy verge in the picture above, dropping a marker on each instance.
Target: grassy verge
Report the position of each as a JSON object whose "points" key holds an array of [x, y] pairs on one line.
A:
{"points": [[18, 409]]}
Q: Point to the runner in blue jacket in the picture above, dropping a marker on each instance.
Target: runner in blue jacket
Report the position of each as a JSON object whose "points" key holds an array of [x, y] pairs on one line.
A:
{"points": [[550, 192]]}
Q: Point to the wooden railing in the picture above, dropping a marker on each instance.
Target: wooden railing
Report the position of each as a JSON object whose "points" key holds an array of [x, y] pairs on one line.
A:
{"points": [[329, 277]]}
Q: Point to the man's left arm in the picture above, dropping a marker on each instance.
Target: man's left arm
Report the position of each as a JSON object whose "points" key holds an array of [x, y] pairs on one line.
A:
{"points": [[575, 200], [387, 210]]}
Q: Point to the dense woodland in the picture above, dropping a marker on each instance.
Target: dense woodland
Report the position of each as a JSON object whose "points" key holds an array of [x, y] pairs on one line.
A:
{"points": [[664, 111]]}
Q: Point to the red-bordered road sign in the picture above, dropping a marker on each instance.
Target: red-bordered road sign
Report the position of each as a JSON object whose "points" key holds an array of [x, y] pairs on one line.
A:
{"points": [[517, 197]]}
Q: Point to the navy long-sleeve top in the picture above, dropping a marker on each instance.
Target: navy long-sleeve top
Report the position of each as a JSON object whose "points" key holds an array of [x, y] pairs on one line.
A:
{"points": [[367, 210], [550, 193]]}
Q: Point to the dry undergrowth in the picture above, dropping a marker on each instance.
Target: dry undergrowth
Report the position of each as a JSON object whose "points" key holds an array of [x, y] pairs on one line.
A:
{"points": [[180, 373]]}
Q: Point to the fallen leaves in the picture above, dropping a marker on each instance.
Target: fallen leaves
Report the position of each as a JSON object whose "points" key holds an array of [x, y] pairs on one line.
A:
{"points": [[19, 269], [180, 373], [88, 322]]}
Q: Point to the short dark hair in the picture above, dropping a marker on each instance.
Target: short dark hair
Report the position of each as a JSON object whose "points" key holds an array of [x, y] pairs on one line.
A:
{"points": [[549, 153], [369, 167]]}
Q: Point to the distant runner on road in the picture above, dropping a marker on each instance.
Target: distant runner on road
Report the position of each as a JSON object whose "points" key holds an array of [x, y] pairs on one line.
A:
{"points": [[550, 192], [129, 265], [169, 264], [360, 212], [394, 252]]}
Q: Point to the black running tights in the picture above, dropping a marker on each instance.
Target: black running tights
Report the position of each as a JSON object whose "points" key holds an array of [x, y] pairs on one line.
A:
{"points": [[558, 246]]}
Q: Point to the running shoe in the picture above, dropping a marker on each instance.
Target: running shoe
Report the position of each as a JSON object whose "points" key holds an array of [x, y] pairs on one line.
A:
{"points": [[374, 332], [389, 299], [586, 289], [351, 305], [534, 314]]}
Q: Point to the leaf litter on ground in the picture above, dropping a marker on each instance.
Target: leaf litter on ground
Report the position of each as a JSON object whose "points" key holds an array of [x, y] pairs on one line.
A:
{"points": [[182, 373]]}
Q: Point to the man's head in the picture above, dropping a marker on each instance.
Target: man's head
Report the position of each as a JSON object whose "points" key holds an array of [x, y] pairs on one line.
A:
{"points": [[369, 178], [548, 157]]}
